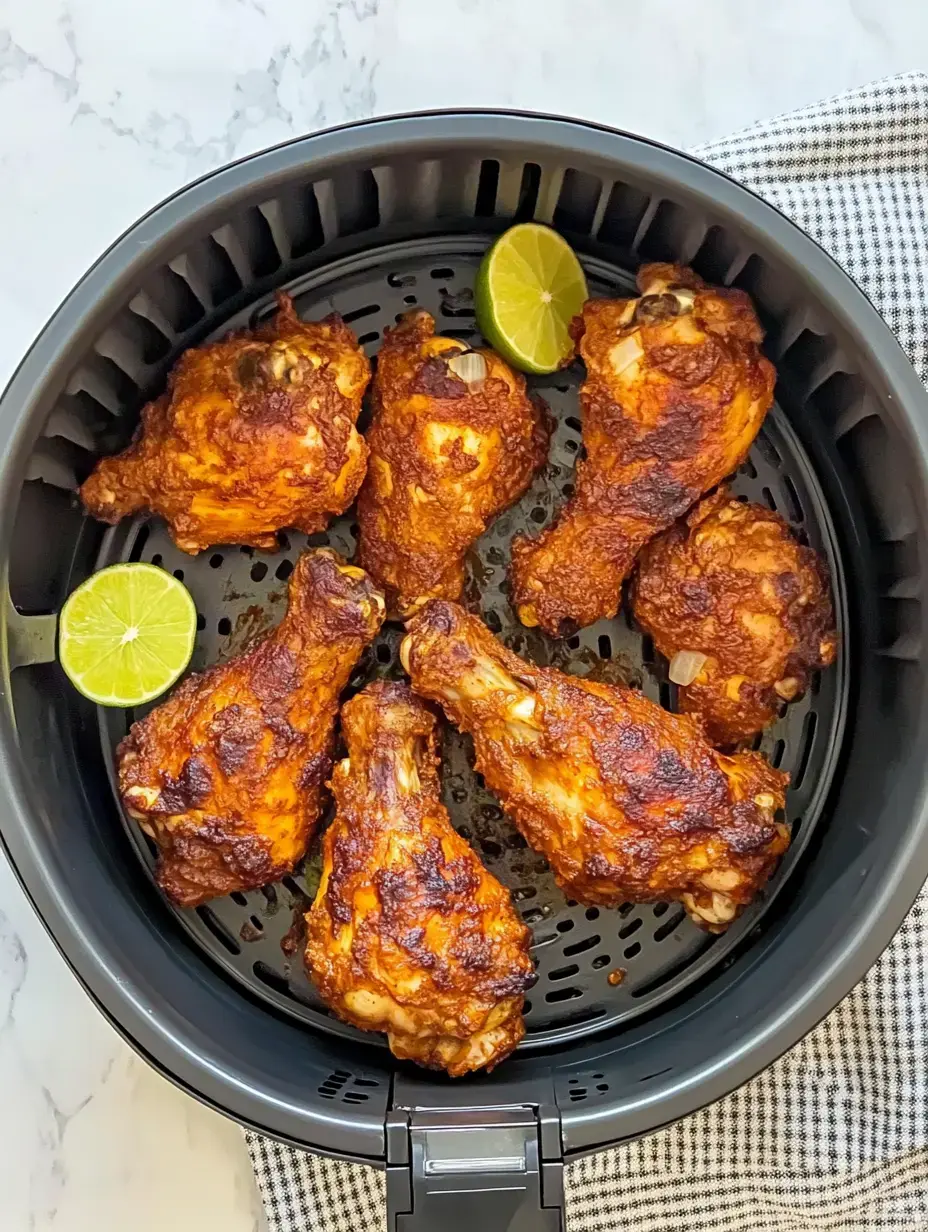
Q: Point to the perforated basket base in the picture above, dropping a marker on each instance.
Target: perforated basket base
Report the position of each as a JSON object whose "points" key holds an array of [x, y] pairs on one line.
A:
{"points": [[596, 967]]}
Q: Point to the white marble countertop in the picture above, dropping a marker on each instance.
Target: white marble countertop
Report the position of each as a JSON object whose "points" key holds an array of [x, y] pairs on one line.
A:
{"points": [[108, 106]]}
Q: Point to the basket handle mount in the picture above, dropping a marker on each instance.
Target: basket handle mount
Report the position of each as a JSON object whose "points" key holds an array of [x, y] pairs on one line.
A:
{"points": [[475, 1170]]}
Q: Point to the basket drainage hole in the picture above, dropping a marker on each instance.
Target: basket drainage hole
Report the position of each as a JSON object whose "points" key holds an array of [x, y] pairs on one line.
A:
{"points": [[409, 299], [602, 960], [401, 280], [384, 654], [258, 571], [215, 560], [218, 929], [201, 622], [273, 979], [809, 724], [179, 574], [592, 913], [357, 314], [573, 422], [605, 646], [669, 925], [283, 570], [224, 627], [563, 973], [564, 926], [563, 994], [140, 540], [157, 558], [633, 950], [580, 947], [631, 927], [238, 897]]}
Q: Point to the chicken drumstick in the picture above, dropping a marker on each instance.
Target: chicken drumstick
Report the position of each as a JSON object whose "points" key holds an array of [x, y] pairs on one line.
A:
{"points": [[409, 933], [626, 801], [675, 392]]}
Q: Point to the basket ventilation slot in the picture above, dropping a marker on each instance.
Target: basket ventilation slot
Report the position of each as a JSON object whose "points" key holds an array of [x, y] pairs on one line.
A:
{"points": [[348, 1088], [587, 1085]]}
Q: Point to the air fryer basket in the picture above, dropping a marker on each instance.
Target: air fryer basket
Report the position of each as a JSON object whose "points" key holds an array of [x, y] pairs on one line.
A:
{"points": [[372, 220]]}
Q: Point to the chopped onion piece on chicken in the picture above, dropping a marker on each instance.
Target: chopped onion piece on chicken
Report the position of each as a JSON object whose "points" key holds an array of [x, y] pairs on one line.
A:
{"points": [[686, 665]]}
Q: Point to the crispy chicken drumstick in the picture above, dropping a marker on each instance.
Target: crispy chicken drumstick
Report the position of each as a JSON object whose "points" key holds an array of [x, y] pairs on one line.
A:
{"points": [[227, 775], [454, 441], [626, 801], [254, 434], [731, 584], [675, 392], [409, 933]]}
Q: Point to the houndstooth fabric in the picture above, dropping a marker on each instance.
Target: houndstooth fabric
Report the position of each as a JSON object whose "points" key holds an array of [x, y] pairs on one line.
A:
{"points": [[834, 1136]]}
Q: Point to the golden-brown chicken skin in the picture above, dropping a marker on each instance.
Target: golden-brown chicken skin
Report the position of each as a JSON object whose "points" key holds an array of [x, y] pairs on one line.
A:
{"points": [[676, 390], [227, 775], [409, 933], [627, 802], [731, 582], [255, 434], [447, 456]]}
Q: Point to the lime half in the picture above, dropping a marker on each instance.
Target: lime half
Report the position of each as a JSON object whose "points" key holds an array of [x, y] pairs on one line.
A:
{"points": [[529, 288], [126, 634]]}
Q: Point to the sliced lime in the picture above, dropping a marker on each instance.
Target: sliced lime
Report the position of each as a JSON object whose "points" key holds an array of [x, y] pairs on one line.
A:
{"points": [[126, 634], [529, 288]]}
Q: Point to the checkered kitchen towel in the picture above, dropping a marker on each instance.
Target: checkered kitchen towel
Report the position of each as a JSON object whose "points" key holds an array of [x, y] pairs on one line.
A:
{"points": [[834, 1136]]}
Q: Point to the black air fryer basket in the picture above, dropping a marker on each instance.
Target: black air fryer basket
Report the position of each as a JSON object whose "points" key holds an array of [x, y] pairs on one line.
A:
{"points": [[372, 220]]}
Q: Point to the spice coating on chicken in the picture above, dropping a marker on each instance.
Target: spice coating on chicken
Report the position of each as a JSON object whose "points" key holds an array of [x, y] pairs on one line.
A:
{"points": [[455, 440], [626, 801], [255, 434], [731, 582], [409, 934], [227, 775], [675, 392]]}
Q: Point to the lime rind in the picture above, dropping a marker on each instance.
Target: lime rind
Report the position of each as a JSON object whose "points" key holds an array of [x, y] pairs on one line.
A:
{"points": [[92, 649]]}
